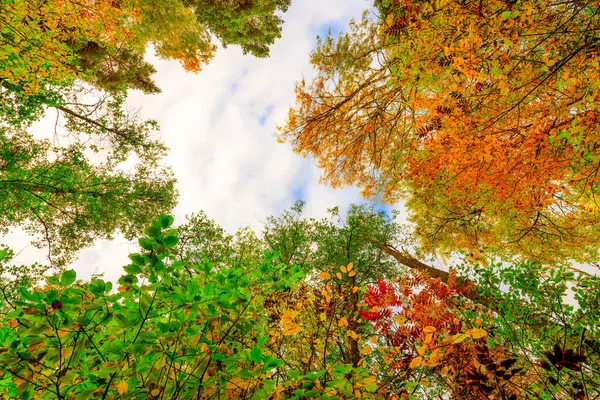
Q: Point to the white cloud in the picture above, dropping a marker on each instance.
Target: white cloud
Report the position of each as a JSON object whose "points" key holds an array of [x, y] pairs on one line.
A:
{"points": [[219, 126]]}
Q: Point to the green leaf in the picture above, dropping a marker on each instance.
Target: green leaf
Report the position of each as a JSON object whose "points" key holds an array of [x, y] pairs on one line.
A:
{"points": [[165, 221], [137, 259], [67, 277], [152, 230], [496, 71], [145, 243], [256, 355], [132, 269], [170, 241], [506, 15]]}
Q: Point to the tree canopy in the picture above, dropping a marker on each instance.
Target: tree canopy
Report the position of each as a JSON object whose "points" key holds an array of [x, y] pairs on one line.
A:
{"points": [[266, 327], [80, 58], [480, 114]]}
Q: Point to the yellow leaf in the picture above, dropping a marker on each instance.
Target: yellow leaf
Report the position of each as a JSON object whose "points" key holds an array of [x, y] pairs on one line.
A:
{"points": [[339, 276], [421, 350], [322, 316], [124, 288], [374, 339], [476, 333], [429, 329], [304, 360], [122, 387], [63, 331], [343, 269], [352, 273], [366, 350], [353, 335], [416, 362], [355, 289], [401, 319], [350, 266], [343, 322], [458, 338], [435, 357], [324, 275]]}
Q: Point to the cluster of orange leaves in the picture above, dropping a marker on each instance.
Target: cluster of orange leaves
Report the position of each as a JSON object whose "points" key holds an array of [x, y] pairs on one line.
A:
{"points": [[483, 113]]}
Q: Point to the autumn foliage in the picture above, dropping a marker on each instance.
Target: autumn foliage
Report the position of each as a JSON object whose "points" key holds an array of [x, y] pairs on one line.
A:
{"points": [[182, 329], [483, 115]]}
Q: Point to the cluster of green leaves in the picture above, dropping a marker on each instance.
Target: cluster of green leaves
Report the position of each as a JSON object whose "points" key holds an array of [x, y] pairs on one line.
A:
{"points": [[539, 311], [172, 329]]}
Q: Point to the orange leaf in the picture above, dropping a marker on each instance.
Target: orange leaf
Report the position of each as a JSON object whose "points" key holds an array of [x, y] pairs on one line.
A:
{"points": [[325, 276], [416, 362], [122, 387]]}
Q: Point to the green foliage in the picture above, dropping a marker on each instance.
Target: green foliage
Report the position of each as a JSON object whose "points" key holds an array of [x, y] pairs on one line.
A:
{"points": [[65, 202], [540, 310], [252, 24], [172, 329]]}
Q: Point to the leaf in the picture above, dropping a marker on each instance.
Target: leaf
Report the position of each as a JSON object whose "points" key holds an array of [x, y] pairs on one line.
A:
{"points": [[429, 329], [476, 333], [343, 269], [459, 338], [366, 350], [343, 322], [122, 387], [506, 15], [338, 275], [416, 362], [170, 241], [67, 277], [146, 244], [132, 269], [324, 275], [165, 221], [256, 355], [350, 266]]}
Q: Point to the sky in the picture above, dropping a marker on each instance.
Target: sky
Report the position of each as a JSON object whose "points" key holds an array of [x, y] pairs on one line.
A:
{"points": [[219, 125]]}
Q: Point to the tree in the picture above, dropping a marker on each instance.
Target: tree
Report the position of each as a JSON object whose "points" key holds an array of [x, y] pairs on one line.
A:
{"points": [[185, 329], [81, 58], [252, 24], [481, 114], [65, 202]]}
